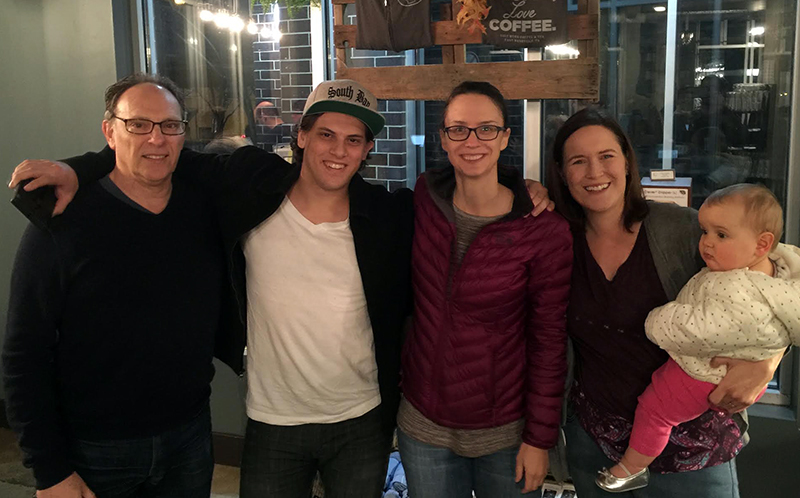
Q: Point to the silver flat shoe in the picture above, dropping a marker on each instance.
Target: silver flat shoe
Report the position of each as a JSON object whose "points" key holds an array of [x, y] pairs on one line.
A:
{"points": [[613, 484]]}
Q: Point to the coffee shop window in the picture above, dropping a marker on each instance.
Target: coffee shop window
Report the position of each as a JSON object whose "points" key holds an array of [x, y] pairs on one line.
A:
{"points": [[246, 70]]}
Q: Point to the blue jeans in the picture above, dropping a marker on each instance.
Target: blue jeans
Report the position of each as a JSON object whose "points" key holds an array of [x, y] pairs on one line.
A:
{"points": [[585, 458], [281, 461], [434, 472], [178, 463]]}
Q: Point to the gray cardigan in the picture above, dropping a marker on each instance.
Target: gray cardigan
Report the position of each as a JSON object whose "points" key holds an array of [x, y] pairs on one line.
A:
{"points": [[673, 234]]}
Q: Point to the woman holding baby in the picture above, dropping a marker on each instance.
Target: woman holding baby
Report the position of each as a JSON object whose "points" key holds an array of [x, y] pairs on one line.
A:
{"points": [[630, 257]]}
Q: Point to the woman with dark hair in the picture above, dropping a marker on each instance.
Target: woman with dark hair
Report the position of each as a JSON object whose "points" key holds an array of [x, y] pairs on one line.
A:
{"points": [[485, 363], [631, 256]]}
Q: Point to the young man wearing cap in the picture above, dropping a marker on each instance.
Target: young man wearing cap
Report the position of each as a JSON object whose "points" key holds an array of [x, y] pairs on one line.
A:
{"points": [[327, 274], [319, 261]]}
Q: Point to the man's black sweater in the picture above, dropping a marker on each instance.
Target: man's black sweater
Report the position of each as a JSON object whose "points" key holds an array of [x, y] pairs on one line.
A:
{"points": [[111, 324]]}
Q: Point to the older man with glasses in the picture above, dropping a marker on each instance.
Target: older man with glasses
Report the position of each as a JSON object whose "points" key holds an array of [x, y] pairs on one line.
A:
{"points": [[112, 319]]}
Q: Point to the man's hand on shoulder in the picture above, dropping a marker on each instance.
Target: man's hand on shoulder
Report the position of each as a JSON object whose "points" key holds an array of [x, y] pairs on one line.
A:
{"points": [[71, 487], [42, 172]]}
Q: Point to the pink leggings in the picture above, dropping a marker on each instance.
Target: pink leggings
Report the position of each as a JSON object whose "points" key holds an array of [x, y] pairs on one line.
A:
{"points": [[673, 397]]}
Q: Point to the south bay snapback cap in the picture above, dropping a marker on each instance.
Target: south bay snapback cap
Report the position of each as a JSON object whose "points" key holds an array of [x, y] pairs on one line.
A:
{"points": [[346, 97]]}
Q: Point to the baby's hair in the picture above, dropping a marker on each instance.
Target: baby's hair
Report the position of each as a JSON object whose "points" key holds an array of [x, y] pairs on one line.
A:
{"points": [[761, 208]]}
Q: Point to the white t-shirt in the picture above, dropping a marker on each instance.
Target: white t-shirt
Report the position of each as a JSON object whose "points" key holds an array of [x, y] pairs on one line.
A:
{"points": [[310, 348]]}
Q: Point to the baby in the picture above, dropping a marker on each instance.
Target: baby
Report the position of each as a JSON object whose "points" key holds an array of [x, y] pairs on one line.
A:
{"points": [[745, 304]]}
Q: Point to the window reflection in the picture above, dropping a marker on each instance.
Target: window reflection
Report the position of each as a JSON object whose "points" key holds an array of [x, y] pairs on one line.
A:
{"points": [[724, 113], [236, 69]]}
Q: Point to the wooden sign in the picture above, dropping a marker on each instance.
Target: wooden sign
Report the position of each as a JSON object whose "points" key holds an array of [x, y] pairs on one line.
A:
{"points": [[558, 79]]}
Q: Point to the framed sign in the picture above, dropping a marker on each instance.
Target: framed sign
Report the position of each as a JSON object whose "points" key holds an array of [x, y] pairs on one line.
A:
{"points": [[677, 191], [526, 23], [662, 174]]}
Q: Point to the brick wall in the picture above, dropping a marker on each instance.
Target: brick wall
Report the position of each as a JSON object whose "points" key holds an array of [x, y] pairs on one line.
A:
{"points": [[295, 62], [282, 71]]}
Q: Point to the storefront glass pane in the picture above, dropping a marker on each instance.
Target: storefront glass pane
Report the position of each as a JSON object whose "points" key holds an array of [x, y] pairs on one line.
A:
{"points": [[732, 94], [249, 81]]}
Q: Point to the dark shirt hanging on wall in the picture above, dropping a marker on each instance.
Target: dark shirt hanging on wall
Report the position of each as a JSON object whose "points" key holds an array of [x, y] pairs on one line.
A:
{"points": [[394, 25]]}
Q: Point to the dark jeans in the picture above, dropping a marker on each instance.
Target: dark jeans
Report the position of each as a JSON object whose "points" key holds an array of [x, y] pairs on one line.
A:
{"points": [[281, 461], [586, 458], [177, 463]]}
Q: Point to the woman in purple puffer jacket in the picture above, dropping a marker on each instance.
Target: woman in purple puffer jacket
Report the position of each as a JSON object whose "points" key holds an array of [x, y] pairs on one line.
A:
{"points": [[485, 363]]}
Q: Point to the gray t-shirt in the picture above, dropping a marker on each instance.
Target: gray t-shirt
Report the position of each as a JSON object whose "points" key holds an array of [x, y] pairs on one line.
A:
{"points": [[467, 228]]}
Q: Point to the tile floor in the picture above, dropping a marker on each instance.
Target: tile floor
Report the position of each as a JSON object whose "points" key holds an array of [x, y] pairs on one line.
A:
{"points": [[226, 482], [17, 482]]}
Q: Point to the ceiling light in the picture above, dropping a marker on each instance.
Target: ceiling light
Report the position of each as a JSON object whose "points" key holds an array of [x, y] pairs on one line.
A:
{"points": [[270, 34], [660, 8], [222, 19], [206, 15], [562, 50], [236, 24], [757, 31]]}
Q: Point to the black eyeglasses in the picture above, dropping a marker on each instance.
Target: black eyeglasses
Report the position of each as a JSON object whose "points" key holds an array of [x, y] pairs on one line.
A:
{"points": [[140, 126], [484, 133]]}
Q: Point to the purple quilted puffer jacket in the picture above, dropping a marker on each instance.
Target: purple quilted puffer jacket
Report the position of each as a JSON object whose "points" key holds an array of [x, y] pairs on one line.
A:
{"points": [[489, 347]]}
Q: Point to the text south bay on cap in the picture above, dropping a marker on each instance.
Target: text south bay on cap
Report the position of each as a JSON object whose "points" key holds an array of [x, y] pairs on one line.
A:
{"points": [[341, 92]]}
